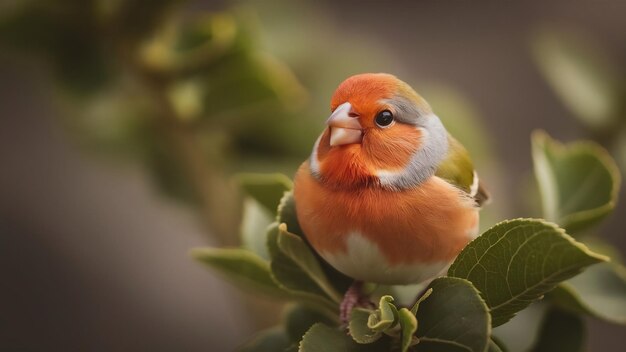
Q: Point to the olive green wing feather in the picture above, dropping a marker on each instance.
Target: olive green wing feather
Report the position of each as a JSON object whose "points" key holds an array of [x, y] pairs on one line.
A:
{"points": [[457, 168]]}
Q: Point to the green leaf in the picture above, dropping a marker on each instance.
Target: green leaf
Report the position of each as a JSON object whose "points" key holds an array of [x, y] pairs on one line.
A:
{"points": [[241, 267], [286, 272], [297, 250], [416, 306], [493, 346], [600, 292], [517, 261], [270, 340], [408, 325], [299, 320], [385, 317], [403, 295], [287, 214], [322, 338], [453, 318], [267, 189], [289, 276], [584, 79], [359, 329], [579, 182], [254, 223], [560, 331]]}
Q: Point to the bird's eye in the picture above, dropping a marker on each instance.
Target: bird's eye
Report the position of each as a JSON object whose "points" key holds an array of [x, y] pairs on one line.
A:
{"points": [[384, 118]]}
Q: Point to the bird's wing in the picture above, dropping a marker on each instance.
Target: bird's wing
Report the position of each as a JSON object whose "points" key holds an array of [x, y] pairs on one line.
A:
{"points": [[457, 169]]}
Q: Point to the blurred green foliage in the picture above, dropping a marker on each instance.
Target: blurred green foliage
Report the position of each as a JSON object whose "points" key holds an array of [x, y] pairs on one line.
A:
{"points": [[579, 183], [588, 82], [186, 95], [77, 38]]}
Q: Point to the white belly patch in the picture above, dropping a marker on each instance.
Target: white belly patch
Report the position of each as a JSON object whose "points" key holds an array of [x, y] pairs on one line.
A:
{"points": [[364, 261]]}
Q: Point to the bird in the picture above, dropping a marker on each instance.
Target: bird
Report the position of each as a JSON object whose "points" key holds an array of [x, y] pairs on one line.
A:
{"points": [[387, 195]]}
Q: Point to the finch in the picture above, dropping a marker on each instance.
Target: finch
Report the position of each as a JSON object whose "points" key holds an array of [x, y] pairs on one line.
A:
{"points": [[387, 195]]}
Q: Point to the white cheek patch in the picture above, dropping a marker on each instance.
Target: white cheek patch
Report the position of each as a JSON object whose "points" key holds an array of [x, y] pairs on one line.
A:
{"points": [[474, 186], [314, 163], [364, 261]]}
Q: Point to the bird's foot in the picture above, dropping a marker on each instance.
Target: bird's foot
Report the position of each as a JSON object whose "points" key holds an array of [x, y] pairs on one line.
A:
{"points": [[353, 298]]}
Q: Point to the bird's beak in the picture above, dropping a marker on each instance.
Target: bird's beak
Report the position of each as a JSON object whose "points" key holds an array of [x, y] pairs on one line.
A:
{"points": [[344, 126]]}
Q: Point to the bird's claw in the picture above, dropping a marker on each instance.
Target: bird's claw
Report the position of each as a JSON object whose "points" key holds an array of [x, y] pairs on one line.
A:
{"points": [[353, 298]]}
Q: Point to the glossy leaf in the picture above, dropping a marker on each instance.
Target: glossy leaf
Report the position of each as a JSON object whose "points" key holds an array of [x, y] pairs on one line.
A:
{"points": [[416, 306], [579, 182], [408, 326], [285, 270], [385, 317], [600, 292], [287, 213], [403, 295], [240, 267], [299, 320], [560, 331], [359, 329], [517, 261], [254, 224], [453, 318], [297, 250], [323, 338], [494, 347], [289, 276], [584, 79], [267, 189]]}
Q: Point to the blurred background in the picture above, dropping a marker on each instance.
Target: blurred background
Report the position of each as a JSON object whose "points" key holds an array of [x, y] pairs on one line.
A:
{"points": [[122, 123]]}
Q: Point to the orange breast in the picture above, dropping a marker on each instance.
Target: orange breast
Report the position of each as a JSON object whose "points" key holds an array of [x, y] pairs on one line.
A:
{"points": [[430, 223]]}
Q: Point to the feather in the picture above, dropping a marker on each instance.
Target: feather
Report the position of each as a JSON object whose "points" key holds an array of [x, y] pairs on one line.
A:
{"points": [[457, 167]]}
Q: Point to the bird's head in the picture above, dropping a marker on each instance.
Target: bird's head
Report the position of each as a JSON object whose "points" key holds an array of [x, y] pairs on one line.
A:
{"points": [[380, 133]]}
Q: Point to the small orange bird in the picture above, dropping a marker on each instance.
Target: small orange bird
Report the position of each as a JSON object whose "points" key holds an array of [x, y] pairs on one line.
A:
{"points": [[387, 195]]}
